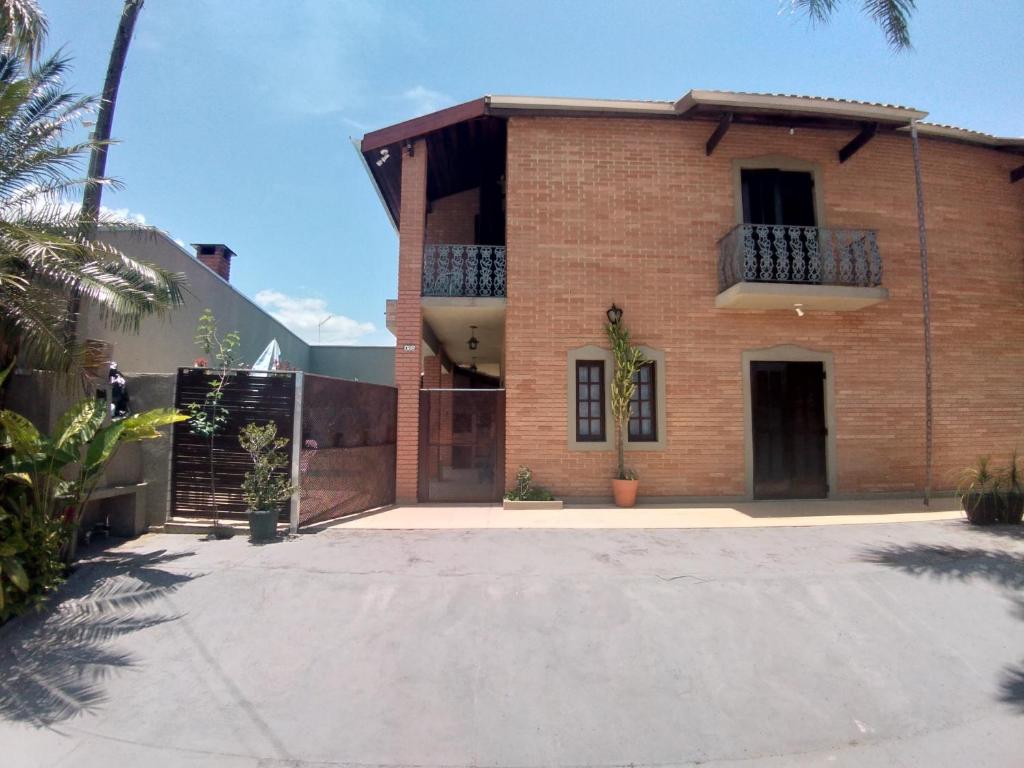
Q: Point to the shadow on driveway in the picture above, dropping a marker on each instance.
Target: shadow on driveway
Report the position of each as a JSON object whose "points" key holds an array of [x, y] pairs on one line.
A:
{"points": [[944, 562], [53, 664]]}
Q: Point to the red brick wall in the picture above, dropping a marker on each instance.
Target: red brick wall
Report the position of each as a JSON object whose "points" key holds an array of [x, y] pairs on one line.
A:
{"points": [[409, 318], [219, 262], [631, 210], [452, 219]]}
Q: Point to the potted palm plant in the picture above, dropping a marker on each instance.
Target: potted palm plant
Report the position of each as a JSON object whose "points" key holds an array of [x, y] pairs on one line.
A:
{"points": [[265, 487], [628, 360], [1011, 480], [980, 493]]}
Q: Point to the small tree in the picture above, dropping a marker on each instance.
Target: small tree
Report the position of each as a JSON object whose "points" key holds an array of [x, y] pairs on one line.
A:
{"points": [[628, 360], [265, 486], [208, 418]]}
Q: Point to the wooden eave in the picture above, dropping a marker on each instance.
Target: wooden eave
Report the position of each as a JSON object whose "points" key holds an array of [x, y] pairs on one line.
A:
{"points": [[420, 126], [446, 130]]}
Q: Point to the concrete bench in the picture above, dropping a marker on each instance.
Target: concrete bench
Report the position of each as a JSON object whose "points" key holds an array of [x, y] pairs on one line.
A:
{"points": [[117, 509]]}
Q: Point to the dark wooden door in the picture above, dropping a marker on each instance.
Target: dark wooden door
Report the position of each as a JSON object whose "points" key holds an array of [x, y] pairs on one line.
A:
{"points": [[788, 419]]}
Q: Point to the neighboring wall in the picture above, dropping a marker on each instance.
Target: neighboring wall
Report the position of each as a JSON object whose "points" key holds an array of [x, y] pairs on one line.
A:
{"points": [[375, 365], [347, 463], [41, 399], [633, 214], [164, 344]]}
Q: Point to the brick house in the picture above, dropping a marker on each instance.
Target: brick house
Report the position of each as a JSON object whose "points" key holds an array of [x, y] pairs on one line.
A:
{"points": [[765, 253]]}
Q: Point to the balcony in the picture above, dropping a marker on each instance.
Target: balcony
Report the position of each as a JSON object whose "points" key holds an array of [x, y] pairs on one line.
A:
{"points": [[464, 270], [771, 266]]}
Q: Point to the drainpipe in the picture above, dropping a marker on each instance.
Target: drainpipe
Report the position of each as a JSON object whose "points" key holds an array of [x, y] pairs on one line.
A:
{"points": [[925, 305]]}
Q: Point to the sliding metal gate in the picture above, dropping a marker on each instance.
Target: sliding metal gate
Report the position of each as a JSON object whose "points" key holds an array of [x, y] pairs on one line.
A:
{"points": [[462, 445]]}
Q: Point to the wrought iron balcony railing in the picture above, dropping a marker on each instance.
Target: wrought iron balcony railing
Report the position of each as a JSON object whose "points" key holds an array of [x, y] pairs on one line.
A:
{"points": [[464, 270], [775, 253]]}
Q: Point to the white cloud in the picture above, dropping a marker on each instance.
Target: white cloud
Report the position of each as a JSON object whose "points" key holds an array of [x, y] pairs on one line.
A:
{"points": [[35, 202], [120, 214], [362, 127], [302, 315], [424, 100]]}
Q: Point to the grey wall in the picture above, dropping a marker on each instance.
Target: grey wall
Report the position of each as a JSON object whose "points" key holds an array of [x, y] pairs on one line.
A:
{"points": [[164, 344], [375, 365]]}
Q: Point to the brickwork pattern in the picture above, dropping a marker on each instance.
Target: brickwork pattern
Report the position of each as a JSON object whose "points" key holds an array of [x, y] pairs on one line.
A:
{"points": [[452, 219], [409, 318], [630, 211]]}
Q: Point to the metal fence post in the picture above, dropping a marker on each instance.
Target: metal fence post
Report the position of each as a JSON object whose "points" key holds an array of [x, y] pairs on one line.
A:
{"points": [[296, 455]]}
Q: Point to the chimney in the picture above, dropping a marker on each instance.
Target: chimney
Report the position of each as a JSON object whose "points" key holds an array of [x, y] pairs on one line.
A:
{"points": [[216, 256]]}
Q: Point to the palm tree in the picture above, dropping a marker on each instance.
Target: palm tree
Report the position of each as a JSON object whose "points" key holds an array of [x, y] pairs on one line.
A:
{"points": [[105, 117], [23, 27], [893, 16], [44, 258]]}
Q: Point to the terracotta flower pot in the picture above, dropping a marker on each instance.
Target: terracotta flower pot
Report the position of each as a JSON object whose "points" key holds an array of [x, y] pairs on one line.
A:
{"points": [[625, 492]]}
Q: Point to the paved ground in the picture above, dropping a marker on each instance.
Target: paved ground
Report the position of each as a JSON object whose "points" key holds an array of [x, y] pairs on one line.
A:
{"points": [[867, 645], [751, 514]]}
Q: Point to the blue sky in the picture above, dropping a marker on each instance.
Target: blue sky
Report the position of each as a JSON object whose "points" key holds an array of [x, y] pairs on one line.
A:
{"points": [[234, 116]]}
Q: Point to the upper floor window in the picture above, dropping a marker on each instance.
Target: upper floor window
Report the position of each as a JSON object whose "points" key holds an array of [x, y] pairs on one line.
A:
{"points": [[643, 423], [590, 425], [773, 196]]}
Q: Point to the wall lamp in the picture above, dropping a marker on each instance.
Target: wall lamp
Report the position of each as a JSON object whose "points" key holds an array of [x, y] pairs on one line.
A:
{"points": [[614, 314], [473, 342]]}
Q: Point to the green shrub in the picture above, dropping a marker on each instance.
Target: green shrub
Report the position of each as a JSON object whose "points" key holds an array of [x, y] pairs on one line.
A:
{"points": [[30, 547], [524, 489], [45, 483]]}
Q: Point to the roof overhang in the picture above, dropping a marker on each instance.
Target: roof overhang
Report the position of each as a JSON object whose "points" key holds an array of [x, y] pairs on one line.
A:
{"points": [[381, 149], [952, 133], [545, 105], [420, 126], [711, 103]]}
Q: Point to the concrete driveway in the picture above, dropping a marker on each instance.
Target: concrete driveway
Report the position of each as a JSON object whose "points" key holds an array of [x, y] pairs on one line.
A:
{"points": [[867, 645]]}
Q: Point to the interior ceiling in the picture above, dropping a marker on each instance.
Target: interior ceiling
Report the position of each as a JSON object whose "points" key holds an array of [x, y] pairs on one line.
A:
{"points": [[451, 326]]}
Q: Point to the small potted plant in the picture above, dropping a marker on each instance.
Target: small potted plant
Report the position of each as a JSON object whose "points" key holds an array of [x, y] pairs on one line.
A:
{"points": [[980, 493], [628, 361], [1011, 480], [265, 487], [526, 495]]}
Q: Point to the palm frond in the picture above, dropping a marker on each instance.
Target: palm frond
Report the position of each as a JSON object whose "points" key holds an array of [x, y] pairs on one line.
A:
{"points": [[893, 16], [23, 27], [46, 255], [818, 11]]}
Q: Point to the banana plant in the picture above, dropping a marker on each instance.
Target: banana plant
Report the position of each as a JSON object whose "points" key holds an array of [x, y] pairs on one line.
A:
{"points": [[58, 473]]}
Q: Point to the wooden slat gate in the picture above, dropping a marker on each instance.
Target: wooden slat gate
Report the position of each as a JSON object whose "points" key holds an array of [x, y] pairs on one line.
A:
{"points": [[248, 397]]}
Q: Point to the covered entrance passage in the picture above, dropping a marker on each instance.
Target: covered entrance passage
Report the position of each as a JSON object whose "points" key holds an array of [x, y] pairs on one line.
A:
{"points": [[462, 445], [788, 430]]}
